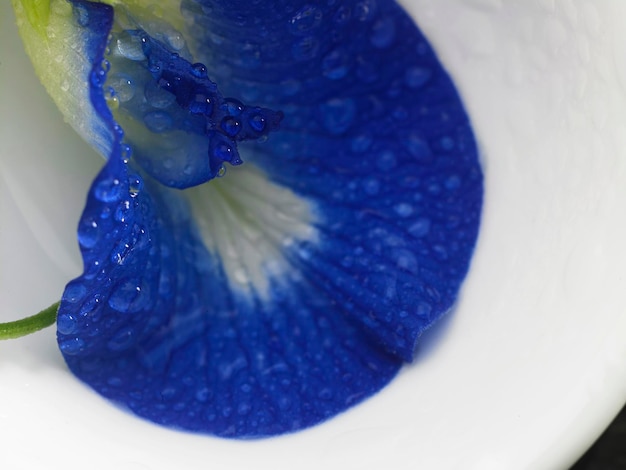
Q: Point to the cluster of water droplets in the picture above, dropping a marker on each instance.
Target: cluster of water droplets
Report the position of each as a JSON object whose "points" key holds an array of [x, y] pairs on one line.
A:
{"points": [[180, 127]]}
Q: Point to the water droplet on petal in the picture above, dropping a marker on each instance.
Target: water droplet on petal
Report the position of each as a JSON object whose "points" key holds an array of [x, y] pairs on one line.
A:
{"points": [[123, 339], [417, 147], [232, 107], [342, 15], [201, 104], [386, 160], [335, 64], [305, 49], [257, 122], [361, 143], [158, 121], [157, 97], [305, 20], [130, 296], [383, 33], [364, 10], [123, 86], [108, 190], [230, 126], [130, 46], [71, 346], [66, 324], [403, 209], [175, 40], [338, 115], [371, 186], [74, 292], [420, 227], [135, 183], [415, 77], [447, 143], [453, 182], [123, 211]]}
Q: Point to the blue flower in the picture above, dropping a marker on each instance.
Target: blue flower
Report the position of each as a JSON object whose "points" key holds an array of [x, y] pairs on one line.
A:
{"points": [[247, 300]]}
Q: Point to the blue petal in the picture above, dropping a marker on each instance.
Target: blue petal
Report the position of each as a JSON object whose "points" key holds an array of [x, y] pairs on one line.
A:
{"points": [[318, 264]]}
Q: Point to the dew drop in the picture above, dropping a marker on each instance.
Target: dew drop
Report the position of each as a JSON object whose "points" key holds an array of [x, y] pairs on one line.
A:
{"points": [[158, 121], [135, 185], [230, 126], [406, 260], [232, 107], [305, 49], [88, 233], [122, 212], [366, 71], [386, 160], [257, 122], [244, 408], [66, 324], [157, 97], [71, 346], [130, 296], [423, 310], [338, 115], [361, 143], [342, 15], [452, 182], [122, 340], [403, 209], [416, 77], [114, 381], [447, 143], [440, 252], [201, 104], [203, 394], [305, 20], [290, 87], [199, 70], [111, 98], [284, 403], [91, 307], [74, 292], [175, 40], [364, 10], [420, 227], [241, 276], [130, 46], [418, 148], [335, 64], [383, 33], [371, 186], [123, 86], [325, 394], [108, 190], [249, 56]]}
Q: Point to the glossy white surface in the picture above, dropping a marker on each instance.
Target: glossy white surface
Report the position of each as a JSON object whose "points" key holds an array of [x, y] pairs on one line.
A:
{"points": [[527, 371]]}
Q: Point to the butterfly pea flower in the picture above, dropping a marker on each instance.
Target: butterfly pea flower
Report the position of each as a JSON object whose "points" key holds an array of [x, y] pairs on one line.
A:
{"points": [[290, 196]]}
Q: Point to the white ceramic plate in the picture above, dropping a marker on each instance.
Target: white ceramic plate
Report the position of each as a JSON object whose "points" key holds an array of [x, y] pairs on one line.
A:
{"points": [[527, 371]]}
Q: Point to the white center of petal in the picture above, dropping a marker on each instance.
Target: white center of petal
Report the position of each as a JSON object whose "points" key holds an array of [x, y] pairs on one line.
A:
{"points": [[248, 221]]}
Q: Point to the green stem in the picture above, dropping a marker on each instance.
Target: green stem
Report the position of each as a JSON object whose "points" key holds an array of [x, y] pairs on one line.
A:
{"points": [[28, 325]]}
